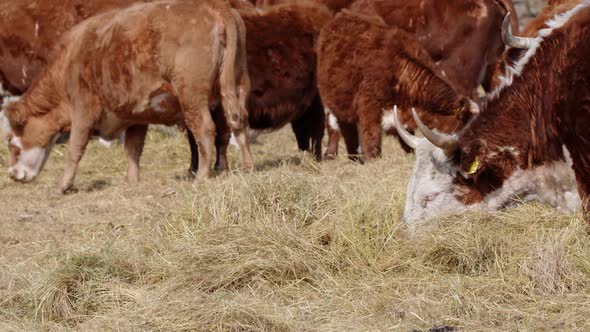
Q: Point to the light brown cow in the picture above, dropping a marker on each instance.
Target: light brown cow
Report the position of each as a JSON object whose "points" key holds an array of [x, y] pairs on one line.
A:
{"points": [[169, 62]]}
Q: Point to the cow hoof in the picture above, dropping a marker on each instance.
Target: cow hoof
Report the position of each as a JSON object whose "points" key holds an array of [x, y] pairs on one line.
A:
{"points": [[330, 156], [65, 190], [191, 174]]}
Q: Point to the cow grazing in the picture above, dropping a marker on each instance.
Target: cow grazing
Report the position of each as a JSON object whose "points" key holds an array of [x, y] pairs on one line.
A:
{"points": [[539, 115], [168, 62], [462, 38], [282, 65], [365, 66]]}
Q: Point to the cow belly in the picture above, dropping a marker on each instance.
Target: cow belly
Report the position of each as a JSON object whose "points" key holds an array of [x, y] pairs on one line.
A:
{"points": [[160, 108]]}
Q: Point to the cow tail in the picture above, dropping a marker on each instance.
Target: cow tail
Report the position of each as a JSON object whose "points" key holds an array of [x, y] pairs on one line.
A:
{"points": [[234, 72]]}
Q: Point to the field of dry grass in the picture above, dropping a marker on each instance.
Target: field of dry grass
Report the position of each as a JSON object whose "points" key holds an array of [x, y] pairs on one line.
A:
{"points": [[294, 246]]}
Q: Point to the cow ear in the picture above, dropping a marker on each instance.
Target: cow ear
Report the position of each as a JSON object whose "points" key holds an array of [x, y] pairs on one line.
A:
{"points": [[16, 114]]}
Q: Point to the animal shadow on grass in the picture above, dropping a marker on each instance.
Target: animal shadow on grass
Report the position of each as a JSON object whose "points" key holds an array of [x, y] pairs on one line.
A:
{"points": [[445, 328], [278, 162], [96, 185]]}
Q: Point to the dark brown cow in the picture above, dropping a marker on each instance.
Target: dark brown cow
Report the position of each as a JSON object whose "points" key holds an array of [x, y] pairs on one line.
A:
{"points": [[168, 62], [282, 65], [462, 37], [29, 30], [365, 66], [539, 116], [515, 50]]}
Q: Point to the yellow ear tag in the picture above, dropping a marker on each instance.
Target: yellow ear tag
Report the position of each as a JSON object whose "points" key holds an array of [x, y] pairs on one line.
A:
{"points": [[474, 167]]}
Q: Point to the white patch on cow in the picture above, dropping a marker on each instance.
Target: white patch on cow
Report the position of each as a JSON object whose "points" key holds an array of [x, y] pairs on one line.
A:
{"points": [[515, 70], [105, 143], [30, 161], [36, 29], [253, 135], [387, 120], [332, 120], [157, 100], [431, 191]]}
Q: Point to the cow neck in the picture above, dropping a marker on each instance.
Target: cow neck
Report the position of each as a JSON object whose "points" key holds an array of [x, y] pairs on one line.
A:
{"points": [[524, 115], [46, 96], [420, 86]]}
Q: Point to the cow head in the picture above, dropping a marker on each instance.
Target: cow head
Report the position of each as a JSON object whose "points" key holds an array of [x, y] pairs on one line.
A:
{"points": [[29, 140], [453, 175]]}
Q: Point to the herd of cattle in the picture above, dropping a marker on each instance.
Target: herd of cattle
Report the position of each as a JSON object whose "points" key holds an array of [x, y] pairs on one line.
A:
{"points": [[354, 68]]}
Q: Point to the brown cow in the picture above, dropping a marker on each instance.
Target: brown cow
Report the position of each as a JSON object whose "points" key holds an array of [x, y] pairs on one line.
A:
{"points": [[282, 65], [166, 62], [29, 30], [333, 5], [462, 38], [518, 46], [539, 116], [365, 66]]}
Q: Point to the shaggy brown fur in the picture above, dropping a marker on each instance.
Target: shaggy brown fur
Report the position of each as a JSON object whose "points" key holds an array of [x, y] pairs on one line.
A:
{"points": [[365, 66], [511, 55], [463, 37], [166, 62], [29, 30], [333, 5], [282, 65]]}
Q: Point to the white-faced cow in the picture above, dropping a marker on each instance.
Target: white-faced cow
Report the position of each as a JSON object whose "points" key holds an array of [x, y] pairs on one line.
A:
{"points": [[519, 145], [168, 62]]}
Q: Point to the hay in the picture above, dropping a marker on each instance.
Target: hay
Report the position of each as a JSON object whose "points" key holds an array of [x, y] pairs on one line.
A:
{"points": [[294, 246]]}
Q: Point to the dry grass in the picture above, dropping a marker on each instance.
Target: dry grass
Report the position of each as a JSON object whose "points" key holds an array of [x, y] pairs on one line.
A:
{"points": [[295, 246]]}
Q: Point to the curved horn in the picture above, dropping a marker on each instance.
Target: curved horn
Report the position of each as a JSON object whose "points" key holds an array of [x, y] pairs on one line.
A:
{"points": [[444, 141], [409, 139], [511, 40]]}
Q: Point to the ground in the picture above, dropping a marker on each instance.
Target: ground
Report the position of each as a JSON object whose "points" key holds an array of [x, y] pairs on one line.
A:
{"points": [[294, 246]]}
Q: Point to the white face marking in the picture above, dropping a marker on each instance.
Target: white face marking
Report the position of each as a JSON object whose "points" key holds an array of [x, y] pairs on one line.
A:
{"points": [[157, 100], [516, 70], [431, 191], [30, 161]]}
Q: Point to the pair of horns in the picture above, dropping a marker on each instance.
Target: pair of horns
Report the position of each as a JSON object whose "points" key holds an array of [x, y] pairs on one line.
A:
{"points": [[511, 40], [446, 142]]}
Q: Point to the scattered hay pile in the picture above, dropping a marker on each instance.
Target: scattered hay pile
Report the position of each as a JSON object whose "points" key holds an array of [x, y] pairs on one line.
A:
{"points": [[295, 246]]}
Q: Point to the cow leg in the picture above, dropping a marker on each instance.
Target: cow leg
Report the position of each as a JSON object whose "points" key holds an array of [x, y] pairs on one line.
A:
{"points": [[333, 135], [79, 137], [200, 123], [351, 138], [134, 142], [221, 140], [369, 127], [301, 133], [192, 143], [316, 119]]}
